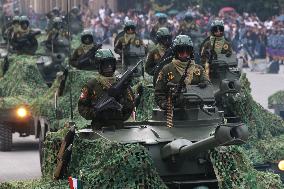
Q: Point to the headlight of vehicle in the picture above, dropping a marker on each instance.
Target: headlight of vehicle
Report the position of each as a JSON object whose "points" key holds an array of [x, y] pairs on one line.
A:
{"points": [[22, 112], [281, 165]]}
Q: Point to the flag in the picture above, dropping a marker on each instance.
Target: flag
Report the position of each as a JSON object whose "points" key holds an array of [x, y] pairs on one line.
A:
{"points": [[75, 183]]}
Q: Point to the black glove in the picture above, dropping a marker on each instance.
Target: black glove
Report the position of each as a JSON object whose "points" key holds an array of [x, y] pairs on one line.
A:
{"points": [[228, 54], [202, 85]]}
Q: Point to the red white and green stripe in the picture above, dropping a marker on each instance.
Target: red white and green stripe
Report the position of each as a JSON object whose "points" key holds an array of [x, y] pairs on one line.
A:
{"points": [[75, 183]]}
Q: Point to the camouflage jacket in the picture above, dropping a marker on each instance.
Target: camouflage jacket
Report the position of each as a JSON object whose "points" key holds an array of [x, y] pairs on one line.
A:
{"points": [[153, 58], [170, 73], [125, 40], [186, 27], [221, 47], [54, 34], [79, 52], [90, 95]]}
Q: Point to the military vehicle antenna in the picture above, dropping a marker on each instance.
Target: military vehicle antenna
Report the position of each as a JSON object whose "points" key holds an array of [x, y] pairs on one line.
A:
{"points": [[69, 57]]}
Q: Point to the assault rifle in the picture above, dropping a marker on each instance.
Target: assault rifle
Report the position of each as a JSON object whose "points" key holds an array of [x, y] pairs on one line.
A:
{"points": [[28, 36], [109, 99], [90, 54], [64, 154]]}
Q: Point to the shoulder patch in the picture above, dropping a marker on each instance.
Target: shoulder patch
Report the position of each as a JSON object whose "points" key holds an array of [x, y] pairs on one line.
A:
{"points": [[226, 46]]}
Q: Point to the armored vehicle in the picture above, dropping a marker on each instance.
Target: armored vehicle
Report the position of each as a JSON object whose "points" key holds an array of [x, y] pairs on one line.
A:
{"points": [[49, 66], [179, 141]]}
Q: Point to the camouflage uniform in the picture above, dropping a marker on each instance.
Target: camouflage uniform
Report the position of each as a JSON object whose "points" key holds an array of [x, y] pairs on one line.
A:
{"points": [[219, 44], [162, 22], [14, 28], [18, 41], [81, 51], [173, 72], [157, 52], [127, 39], [170, 73], [93, 91]]}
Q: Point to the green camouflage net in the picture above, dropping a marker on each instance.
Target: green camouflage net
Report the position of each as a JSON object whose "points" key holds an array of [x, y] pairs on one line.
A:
{"points": [[22, 81], [276, 98], [103, 164], [234, 170]]}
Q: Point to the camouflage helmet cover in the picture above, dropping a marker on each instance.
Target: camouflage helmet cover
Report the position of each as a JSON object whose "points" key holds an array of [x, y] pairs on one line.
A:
{"points": [[24, 19], [129, 23], [16, 19], [87, 33], [217, 23], [163, 31], [104, 54], [182, 40]]}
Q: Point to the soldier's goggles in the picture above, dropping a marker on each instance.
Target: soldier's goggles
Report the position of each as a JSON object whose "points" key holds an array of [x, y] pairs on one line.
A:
{"points": [[183, 48], [217, 28], [127, 28]]}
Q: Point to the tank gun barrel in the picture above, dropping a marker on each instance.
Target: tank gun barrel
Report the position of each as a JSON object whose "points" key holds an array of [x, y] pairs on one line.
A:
{"points": [[224, 135]]}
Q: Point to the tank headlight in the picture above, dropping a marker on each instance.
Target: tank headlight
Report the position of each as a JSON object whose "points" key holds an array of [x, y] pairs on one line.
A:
{"points": [[281, 165], [22, 112]]}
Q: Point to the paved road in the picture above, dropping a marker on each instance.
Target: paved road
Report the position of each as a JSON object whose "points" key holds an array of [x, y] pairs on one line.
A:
{"points": [[23, 162], [264, 85]]}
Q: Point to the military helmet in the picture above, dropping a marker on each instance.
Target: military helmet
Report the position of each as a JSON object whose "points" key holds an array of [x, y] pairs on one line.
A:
{"points": [[188, 17], [162, 18], [75, 10], [217, 25], [164, 36], [105, 56], [24, 20], [87, 34], [16, 19], [182, 40], [129, 24], [161, 15], [55, 11], [183, 43], [57, 23], [163, 31]]}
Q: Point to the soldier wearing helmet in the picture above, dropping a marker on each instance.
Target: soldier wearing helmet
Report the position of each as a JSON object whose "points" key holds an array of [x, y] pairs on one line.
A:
{"points": [[172, 72], [14, 28], [162, 21], [187, 25], [94, 89], [215, 44], [84, 56], [129, 37], [164, 40], [57, 37], [24, 37]]}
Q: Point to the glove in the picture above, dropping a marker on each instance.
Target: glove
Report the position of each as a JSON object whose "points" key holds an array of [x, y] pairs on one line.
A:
{"points": [[202, 85], [228, 54]]}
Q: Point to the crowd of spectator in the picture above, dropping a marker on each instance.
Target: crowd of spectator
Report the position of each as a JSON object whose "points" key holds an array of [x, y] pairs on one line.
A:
{"points": [[245, 31]]}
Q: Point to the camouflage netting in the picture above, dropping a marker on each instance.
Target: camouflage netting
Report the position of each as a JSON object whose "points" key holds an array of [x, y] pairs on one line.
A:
{"points": [[102, 164], [276, 98], [22, 82]]}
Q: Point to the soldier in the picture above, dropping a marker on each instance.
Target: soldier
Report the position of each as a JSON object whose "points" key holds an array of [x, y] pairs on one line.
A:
{"points": [[24, 37], [172, 72], [57, 38], [187, 25], [97, 87], [162, 22], [15, 27], [129, 37], [55, 12], [215, 44], [84, 56], [164, 40], [75, 20]]}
